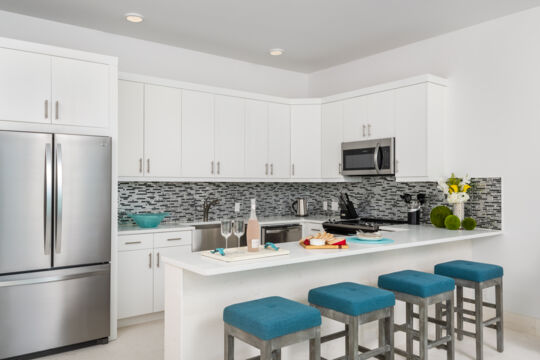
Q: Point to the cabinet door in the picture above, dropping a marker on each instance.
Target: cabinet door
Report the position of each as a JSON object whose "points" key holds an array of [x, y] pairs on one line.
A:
{"points": [[135, 283], [162, 128], [80, 93], [332, 130], [279, 140], [306, 141], [256, 152], [197, 134], [411, 131], [130, 128], [229, 136], [159, 273], [354, 119], [25, 86], [380, 114]]}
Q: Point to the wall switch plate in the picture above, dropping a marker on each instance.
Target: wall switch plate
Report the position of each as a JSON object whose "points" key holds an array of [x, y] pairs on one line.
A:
{"points": [[237, 207], [334, 206], [325, 205]]}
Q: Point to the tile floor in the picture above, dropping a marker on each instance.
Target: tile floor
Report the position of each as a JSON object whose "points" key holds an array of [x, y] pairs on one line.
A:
{"points": [[145, 342]]}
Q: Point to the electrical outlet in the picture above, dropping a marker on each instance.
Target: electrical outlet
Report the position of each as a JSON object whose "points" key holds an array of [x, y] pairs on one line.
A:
{"points": [[325, 205], [237, 207], [334, 206]]}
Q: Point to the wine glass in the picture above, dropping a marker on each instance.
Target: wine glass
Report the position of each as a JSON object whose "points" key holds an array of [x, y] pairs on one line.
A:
{"points": [[226, 230], [238, 229]]}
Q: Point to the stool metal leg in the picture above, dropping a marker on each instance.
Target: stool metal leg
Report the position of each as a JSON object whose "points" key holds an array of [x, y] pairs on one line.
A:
{"points": [[423, 323], [438, 316], [459, 297], [409, 324], [229, 346], [450, 346], [347, 349], [389, 334], [315, 347], [353, 339], [277, 354], [499, 314], [266, 351], [478, 308]]}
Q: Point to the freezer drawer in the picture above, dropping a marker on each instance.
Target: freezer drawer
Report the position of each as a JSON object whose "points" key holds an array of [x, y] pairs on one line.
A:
{"points": [[50, 309]]}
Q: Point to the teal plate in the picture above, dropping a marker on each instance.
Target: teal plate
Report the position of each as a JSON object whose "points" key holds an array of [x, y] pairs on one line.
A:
{"points": [[355, 240]]}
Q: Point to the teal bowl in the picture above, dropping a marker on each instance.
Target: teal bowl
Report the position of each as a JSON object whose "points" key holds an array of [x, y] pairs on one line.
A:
{"points": [[148, 220]]}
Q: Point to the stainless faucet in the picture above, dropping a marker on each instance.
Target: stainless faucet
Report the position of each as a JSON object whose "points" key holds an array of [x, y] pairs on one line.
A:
{"points": [[206, 207]]}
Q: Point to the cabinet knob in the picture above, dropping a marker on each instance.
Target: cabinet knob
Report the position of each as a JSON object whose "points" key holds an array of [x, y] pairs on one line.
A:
{"points": [[140, 165], [150, 260], [46, 109], [271, 169], [266, 169], [212, 167], [218, 167], [148, 165], [369, 129], [292, 169], [57, 110]]}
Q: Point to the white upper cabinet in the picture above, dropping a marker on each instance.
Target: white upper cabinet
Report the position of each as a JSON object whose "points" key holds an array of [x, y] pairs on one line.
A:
{"points": [[420, 116], [354, 119], [197, 134], [279, 140], [332, 130], [130, 128], [257, 141], [25, 86], [162, 128], [380, 115], [306, 141], [80, 93], [229, 136]]}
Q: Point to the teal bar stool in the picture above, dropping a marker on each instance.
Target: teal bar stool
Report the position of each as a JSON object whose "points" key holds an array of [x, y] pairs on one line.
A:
{"points": [[423, 290], [270, 324], [477, 276], [355, 304]]}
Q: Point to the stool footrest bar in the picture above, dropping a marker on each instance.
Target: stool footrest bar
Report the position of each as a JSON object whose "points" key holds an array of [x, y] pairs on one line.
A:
{"points": [[465, 332], [368, 353], [333, 336], [431, 320], [406, 355], [485, 304], [441, 341], [492, 321]]}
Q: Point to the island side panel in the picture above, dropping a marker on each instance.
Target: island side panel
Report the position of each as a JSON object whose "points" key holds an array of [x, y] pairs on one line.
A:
{"points": [[204, 297]]}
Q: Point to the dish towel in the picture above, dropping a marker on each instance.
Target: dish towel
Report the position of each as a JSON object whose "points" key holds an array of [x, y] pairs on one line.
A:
{"points": [[355, 240]]}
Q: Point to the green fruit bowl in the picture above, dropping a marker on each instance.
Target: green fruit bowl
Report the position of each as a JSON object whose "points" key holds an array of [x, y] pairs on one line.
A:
{"points": [[148, 220]]}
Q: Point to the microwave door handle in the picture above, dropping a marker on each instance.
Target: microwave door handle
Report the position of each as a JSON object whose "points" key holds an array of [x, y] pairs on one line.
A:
{"points": [[376, 158]]}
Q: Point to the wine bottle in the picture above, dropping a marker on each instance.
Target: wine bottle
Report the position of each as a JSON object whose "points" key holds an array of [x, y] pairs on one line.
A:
{"points": [[253, 234]]}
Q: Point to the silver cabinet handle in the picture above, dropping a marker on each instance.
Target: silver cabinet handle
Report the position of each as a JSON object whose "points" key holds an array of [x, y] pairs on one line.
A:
{"points": [[57, 110], [150, 260], [340, 168], [293, 169], [48, 197], [59, 200], [46, 109], [218, 167], [148, 166], [211, 167], [318, 230], [376, 157], [132, 242], [266, 169], [175, 239], [364, 130], [369, 129], [271, 169], [157, 260], [140, 165]]}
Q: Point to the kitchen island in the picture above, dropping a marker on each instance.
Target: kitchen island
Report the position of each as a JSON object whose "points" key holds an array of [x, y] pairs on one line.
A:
{"points": [[198, 288]]}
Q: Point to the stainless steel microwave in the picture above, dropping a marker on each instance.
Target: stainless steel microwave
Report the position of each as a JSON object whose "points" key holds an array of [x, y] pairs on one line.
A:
{"points": [[368, 157]]}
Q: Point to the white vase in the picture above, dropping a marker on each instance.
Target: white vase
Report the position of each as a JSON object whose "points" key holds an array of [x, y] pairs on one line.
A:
{"points": [[459, 210]]}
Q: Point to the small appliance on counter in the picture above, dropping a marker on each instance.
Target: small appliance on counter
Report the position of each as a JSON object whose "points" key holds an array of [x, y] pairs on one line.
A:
{"points": [[414, 207], [347, 207], [300, 207]]}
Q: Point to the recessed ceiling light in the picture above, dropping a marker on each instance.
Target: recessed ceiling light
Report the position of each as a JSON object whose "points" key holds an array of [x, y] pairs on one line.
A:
{"points": [[134, 17], [276, 52]]}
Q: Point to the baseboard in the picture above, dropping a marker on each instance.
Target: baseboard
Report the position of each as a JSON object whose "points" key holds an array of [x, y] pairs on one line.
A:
{"points": [[521, 323], [140, 319]]}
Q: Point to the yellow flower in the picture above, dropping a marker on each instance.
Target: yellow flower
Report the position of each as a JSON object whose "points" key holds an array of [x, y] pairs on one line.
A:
{"points": [[454, 188], [466, 187]]}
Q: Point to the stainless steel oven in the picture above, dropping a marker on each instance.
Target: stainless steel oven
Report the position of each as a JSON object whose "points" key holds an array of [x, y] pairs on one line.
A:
{"points": [[281, 233], [368, 157]]}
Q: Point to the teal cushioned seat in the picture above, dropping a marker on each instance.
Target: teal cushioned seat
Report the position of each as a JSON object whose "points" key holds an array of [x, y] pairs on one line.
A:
{"points": [[351, 298], [416, 283], [469, 270], [271, 317]]}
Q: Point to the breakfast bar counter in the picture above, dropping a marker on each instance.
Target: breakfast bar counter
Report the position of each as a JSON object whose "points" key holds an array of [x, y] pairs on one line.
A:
{"points": [[197, 288]]}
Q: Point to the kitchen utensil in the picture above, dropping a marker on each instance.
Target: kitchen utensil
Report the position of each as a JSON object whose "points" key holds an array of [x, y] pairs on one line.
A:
{"points": [[300, 207], [148, 220]]}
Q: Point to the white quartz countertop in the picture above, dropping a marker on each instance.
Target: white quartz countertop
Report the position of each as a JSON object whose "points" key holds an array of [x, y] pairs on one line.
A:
{"points": [[135, 229], [415, 235]]}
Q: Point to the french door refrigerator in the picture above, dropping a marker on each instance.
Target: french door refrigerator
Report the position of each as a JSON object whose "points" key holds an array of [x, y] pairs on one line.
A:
{"points": [[55, 241]]}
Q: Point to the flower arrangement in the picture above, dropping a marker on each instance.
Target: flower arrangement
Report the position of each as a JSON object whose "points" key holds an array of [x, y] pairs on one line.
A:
{"points": [[455, 189]]}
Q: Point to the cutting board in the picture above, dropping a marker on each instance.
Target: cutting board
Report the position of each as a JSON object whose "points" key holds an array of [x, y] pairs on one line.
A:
{"points": [[240, 254], [322, 246]]}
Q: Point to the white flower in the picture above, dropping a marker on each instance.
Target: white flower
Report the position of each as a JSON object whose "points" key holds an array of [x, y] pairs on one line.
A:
{"points": [[456, 198], [443, 186], [465, 181]]}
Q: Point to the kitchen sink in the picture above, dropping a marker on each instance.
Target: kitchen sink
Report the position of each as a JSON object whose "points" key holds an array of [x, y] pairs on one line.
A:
{"points": [[208, 237]]}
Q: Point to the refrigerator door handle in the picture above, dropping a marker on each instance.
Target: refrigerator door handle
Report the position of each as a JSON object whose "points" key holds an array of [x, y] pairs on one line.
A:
{"points": [[59, 200], [54, 278], [48, 198]]}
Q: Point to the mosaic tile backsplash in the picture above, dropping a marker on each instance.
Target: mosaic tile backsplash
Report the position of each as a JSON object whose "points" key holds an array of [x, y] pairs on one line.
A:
{"points": [[373, 197]]}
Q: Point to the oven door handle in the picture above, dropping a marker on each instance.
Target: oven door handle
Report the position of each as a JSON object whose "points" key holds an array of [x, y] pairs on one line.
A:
{"points": [[376, 158]]}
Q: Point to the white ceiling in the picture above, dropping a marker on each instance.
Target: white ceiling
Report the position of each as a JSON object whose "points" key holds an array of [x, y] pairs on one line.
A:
{"points": [[315, 34]]}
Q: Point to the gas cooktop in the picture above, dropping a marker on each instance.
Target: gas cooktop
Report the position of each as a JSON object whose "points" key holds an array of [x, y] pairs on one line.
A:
{"points": [[351, 226]]}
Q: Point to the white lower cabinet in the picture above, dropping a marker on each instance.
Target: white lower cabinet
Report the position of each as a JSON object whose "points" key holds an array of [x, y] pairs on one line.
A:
{"points": [[140, 269]]}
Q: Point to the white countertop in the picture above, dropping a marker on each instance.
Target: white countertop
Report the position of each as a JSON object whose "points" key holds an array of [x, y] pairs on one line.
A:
{"points": [[135, 229], [416, 235]]}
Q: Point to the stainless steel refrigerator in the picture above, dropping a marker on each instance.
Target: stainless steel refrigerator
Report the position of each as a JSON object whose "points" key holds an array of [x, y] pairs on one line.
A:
{"points": [[55, 241]]}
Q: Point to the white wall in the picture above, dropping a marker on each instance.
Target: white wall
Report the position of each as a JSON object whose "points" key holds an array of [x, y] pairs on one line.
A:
{"points": [[493, 127], [149, 58]]}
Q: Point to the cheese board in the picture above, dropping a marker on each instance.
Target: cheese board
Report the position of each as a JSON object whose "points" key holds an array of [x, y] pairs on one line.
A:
{"points": [[326, 246], [323, 240]]}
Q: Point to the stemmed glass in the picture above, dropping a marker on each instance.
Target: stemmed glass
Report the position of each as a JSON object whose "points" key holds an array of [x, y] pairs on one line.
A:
{"points": [[226, 230], [238, 229]]}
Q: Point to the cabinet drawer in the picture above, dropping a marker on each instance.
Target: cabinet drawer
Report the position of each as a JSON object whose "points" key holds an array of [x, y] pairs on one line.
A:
{"points": [[172, 238], [135, 242]]}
